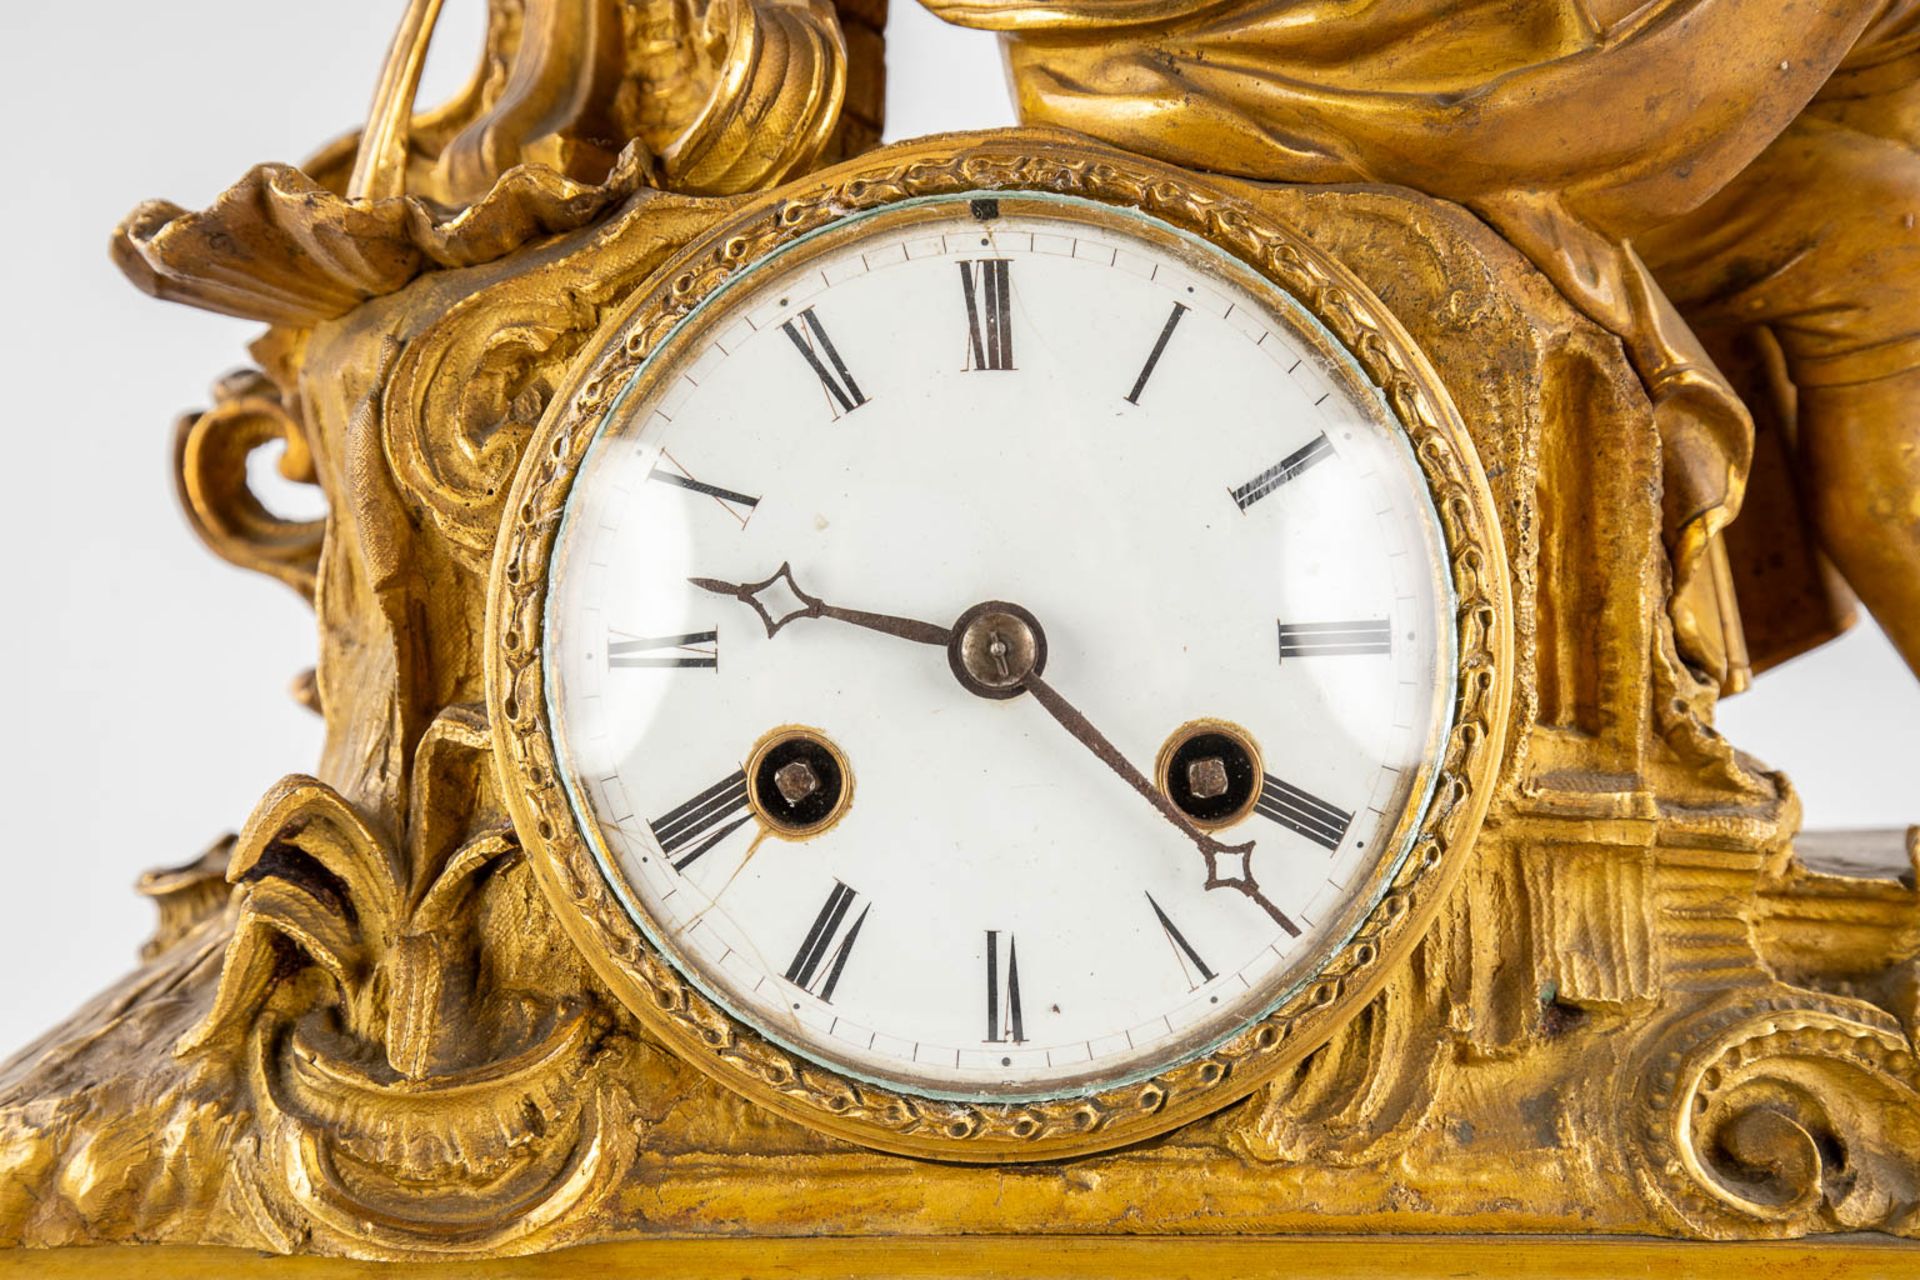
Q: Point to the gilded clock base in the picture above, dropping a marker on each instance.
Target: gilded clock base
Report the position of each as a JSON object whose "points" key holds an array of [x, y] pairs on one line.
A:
{"points": [[1635, 1014], [1041, 1258]]}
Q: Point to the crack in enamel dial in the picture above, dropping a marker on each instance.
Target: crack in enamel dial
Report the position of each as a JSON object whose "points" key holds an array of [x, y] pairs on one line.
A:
{"points": [[1001, 648]]}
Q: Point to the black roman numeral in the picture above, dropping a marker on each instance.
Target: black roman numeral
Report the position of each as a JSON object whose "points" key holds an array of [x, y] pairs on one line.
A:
{"points": [[692, 649], [1313, 451], [989, 320], [1004, 1023], [1153, 357], [838, 382], [720, 810], [1182, 948], [1333, 639], [738, 505], [1295, 810], [806, 971]]}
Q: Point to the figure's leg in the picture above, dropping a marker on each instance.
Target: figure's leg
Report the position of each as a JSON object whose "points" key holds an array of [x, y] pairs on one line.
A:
{"points": [[1818, 242], [1860, 447]]}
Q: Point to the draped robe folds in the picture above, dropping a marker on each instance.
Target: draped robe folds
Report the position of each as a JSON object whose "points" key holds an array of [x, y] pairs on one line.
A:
{"points": [[1569, 125]]}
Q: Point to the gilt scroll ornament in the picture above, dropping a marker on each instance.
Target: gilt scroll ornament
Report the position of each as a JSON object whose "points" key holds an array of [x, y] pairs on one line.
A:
{"points": [[1596, 265]]}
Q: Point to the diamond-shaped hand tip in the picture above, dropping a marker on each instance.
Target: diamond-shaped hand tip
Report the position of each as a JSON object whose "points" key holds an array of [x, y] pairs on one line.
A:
{"points": [[779, 599], [1228, 865]]}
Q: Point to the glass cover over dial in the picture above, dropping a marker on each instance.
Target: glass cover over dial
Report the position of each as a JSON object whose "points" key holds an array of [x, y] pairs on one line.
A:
{"points": [[999, 646]]}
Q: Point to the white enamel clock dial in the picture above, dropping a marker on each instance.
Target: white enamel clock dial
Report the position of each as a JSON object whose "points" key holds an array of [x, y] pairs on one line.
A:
{"points": [[999, 652]]}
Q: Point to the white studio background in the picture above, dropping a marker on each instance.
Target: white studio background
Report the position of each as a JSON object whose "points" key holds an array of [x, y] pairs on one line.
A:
{"points": [[147, 678]]}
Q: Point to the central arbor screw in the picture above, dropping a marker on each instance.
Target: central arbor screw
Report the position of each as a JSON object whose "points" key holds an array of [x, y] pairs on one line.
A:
{"points": [[995, 647]]}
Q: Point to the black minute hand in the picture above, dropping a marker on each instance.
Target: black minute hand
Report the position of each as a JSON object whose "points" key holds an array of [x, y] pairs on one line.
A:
{"points": [[1237, 873]]}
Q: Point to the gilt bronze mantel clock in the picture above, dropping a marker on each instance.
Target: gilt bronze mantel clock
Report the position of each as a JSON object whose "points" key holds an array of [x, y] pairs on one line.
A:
{"points": [[1129, 695]]}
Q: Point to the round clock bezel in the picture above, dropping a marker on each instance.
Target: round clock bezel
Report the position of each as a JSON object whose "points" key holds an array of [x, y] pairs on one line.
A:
{"points": [[1403, 895]]}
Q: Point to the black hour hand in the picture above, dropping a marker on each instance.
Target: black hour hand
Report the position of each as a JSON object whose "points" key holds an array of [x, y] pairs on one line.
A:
{"points": [[779, 600]]}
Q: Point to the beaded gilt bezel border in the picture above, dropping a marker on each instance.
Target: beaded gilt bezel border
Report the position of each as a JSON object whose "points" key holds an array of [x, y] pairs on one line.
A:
{"points": [[892, 1119]]}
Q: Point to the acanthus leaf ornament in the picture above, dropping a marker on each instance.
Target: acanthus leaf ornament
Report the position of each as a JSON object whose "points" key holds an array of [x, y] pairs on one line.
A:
{"points": [[348, 971]]}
